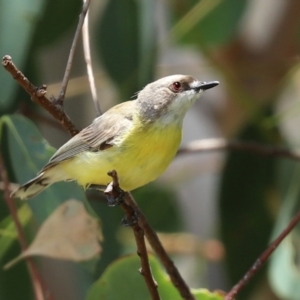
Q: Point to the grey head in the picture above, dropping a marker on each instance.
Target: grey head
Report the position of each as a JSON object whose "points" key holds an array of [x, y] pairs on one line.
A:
{"points": [[170, 97]]}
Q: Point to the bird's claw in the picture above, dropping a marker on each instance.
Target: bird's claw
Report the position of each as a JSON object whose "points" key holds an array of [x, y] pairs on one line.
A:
{"points": [[130, 222]]}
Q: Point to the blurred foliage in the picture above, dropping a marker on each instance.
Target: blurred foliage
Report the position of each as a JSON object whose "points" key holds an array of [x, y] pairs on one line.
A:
{"points": [[126, 39], [205, 23], [245, 203], [284, 265], [124, 273], [130, 56]]}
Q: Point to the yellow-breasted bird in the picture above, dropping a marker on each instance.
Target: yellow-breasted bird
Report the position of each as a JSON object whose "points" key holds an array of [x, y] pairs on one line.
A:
{"points": [[137, 138]]}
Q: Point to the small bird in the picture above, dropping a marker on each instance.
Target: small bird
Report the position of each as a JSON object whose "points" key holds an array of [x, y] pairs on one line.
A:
{"points": [[137, 138]]}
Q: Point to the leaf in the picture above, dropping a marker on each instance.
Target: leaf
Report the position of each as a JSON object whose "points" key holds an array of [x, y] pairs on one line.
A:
{"points": [[204, 294], [247, 188], [214, 28], [18, 19], [26, 152], [69, 233], [168, 217], [124, 274], [51, 28], [8, 232], [284, 269], [126, 40], [9, 247]]}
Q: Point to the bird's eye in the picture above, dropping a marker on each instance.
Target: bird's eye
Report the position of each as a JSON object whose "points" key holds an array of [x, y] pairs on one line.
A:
{"points": [[175, 87]]}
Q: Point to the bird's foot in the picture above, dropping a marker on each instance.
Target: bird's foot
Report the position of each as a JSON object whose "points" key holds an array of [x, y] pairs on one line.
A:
{"points": [[126, 221], [114, 201], [114, 195]]}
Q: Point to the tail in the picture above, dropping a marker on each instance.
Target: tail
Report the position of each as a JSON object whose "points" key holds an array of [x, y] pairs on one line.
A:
{"points": [[36, 185]]}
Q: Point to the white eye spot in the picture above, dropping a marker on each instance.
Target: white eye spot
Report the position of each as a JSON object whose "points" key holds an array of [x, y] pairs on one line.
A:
{"points": [[155, 107]]}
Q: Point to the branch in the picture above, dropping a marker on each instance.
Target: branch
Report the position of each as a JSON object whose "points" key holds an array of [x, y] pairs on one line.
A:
{"points": [[114, 190], [37, 282], [218, 144], [59, 100], [38, 95], [262, 259], [88, 60], [157, 247], [153, 240]]}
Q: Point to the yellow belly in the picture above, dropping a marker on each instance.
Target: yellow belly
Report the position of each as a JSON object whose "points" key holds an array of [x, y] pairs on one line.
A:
{"points": [[140, 157]]}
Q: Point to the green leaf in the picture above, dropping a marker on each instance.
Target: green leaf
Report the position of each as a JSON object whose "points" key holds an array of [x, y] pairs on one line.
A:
{"points": [[247, 188], [8, 233], [9, 247], [28, 152], [284, 272], [18, 19], [204, 294], [126, 40], [216, 26], [51, 28], [123, 281], [160, 206]]}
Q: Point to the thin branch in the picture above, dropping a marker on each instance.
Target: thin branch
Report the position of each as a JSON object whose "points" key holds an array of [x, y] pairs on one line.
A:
{"points": [[262, 259], [157, 247], [155, 243], [114, 190], [35, 276], [88, 61], [218, 144], [38, 95], [59, 100]]}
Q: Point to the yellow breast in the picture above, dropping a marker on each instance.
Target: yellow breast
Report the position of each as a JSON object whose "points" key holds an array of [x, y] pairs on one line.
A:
{"points": [[139, 157]]}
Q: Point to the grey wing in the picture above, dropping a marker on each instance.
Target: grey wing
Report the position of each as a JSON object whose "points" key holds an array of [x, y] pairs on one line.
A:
{"points": [[98, 136]]}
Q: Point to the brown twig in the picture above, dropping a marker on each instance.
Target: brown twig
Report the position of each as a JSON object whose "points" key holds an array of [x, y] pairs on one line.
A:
{"points": [[155, 243], [88, 60], [38, 95], [114, 190], [157, 247], [262, 259], [218, 144], [37, 281], [59, 100]]}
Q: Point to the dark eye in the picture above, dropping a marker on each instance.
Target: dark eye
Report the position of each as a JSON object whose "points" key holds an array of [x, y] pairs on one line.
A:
{"points": [[175, 87]]}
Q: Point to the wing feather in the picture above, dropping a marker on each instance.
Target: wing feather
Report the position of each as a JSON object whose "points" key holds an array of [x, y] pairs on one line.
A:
{"points": [[99, 135]]}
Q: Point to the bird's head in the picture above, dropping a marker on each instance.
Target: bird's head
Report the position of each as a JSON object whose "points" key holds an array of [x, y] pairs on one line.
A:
{"points": [[169, 98]]}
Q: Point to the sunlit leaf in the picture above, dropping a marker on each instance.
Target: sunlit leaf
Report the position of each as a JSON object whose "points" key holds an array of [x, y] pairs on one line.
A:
{"points": [[69, 233]]}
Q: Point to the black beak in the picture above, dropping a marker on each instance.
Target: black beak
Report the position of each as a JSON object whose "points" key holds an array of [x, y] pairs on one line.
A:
{"points": [[206, 85]]}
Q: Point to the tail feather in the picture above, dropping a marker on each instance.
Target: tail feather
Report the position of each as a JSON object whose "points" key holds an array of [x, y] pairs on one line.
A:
{"points": [[32, 187]]}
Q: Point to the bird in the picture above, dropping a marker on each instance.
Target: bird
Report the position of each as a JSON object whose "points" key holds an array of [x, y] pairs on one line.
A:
{"points": [[138, 138]]}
